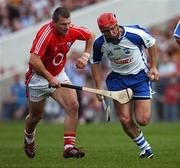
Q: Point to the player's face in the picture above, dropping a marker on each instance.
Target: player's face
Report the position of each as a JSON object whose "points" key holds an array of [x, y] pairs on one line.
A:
{"points": [[62, 25], [111, 32]]}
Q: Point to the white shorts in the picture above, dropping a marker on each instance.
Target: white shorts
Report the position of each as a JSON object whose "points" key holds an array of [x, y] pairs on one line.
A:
{"points": [[38, 87]]}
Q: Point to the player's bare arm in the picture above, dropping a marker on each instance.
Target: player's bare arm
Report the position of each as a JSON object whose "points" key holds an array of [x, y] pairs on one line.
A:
{"points": [[89, 43], [153, 74], [38, 66], [83, 60], [97, 78]]}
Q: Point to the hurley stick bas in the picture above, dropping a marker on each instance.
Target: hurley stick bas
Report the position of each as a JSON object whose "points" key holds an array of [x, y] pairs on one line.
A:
{"points": [[122, 96]]}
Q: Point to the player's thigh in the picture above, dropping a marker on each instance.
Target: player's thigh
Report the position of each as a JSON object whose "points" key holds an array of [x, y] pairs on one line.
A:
{"points": [[142, 109], [36, 109], [66, 97], [123, 110]]}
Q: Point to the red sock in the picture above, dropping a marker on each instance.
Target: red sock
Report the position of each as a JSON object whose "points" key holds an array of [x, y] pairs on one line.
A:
{"points": [[69, 140]]}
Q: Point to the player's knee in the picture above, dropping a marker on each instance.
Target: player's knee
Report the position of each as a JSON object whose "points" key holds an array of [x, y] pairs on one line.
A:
{"points": [[74, 106], [143, 121], [126, 121], [35, 119]]}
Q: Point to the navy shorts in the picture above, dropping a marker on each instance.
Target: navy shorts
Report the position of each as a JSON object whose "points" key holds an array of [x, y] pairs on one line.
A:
{"points": [[139, 83]]}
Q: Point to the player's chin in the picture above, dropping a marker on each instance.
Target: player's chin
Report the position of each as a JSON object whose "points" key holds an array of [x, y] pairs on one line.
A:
{"points": [[65, 32]]}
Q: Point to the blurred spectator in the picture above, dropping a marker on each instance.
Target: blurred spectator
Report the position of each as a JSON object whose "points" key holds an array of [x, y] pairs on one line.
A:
{"points": [[5, 27], [167, 71], [16, 25], [167, 68], [53, 111], [92, 108], [18, 14], [14, 106], [172, 95], [40, 6], [1, 71]]}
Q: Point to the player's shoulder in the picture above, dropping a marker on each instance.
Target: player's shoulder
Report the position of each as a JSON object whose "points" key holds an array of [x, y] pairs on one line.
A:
{"points": [[99, 40], [47, 28], [75, 28], [136, 29]]}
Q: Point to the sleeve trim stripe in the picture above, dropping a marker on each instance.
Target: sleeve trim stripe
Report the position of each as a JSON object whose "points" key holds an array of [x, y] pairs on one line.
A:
{"points": [[82, 33], [42, 39]]}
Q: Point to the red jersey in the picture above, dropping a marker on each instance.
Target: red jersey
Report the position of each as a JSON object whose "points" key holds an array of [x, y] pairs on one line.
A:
{"points": [[52, 47]]}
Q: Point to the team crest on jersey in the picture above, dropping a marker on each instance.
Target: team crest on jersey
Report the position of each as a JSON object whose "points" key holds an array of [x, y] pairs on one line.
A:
{"points": [[56, 48], [68, 45], [110, 53], [126, 50]]}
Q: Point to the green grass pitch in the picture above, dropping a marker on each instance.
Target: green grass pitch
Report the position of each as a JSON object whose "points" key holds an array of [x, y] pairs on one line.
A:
{"points": [[105, 144]]}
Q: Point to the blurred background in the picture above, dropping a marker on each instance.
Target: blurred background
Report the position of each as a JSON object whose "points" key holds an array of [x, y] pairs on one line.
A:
{"points": [[21, 19]]}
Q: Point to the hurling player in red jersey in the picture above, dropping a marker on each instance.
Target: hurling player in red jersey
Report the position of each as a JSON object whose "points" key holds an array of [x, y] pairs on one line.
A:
{"points": [[46, 73]]}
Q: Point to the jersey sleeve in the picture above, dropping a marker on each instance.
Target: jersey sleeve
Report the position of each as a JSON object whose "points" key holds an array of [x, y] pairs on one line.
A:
{"points": [[148, 39], [140, 36], [80, 33], [41, 41], [13, 90], [97, 53]]}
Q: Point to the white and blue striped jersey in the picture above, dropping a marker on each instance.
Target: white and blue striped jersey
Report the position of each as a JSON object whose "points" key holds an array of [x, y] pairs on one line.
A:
{"points": [[177, 30], [127, 56]]}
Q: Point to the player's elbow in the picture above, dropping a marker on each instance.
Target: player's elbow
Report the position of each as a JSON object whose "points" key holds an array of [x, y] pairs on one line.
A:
{"points": [[92, 38], [34, 59]]}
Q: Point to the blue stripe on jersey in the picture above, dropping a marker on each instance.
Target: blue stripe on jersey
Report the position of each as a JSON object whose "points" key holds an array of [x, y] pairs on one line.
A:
{"points": [[138, 27], [135, 39], [177, 30], [97, 54]]}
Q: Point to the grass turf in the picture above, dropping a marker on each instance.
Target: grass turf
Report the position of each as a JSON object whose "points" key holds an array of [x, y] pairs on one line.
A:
{"points": [[106, 146]]}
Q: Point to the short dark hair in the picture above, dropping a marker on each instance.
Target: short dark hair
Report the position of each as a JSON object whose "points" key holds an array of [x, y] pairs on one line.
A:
{"points": [[60, 11]]}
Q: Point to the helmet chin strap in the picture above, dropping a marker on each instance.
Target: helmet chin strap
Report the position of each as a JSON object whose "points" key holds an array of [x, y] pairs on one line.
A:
{"points": [[113, 40]]}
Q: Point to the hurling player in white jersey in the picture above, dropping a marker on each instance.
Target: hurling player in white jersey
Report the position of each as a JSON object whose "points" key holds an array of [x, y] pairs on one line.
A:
{"points": [[124, 47]]}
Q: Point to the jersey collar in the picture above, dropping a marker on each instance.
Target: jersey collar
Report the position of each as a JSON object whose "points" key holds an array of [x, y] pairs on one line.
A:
{"points": [[122, 34]]}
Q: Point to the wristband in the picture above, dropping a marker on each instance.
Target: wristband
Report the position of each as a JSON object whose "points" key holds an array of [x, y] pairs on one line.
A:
{"points": [[51, 79], [86, 55], [85, 58]]}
